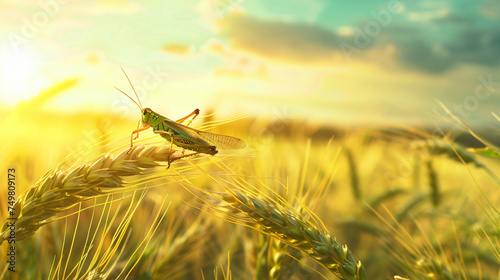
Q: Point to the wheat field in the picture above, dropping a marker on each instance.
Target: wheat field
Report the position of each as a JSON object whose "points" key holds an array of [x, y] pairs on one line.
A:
{"points": [[301, 202], [371, 132]]}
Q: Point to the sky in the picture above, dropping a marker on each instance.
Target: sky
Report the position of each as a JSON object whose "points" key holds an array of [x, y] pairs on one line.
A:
{"points": [[349, 62]]}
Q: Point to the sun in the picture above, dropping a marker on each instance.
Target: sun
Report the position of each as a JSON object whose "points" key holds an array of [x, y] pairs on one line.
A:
{"points": [[20, 77]]}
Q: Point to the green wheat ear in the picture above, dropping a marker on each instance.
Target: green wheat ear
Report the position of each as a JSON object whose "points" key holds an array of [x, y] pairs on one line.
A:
{"points": [[275, 220]]}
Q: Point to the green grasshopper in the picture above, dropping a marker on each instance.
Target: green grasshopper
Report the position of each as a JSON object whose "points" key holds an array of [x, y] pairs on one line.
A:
{"points": [[182, 135]]}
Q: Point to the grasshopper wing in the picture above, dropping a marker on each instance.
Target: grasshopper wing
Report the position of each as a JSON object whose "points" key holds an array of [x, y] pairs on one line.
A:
{"points": [[223, 142]]}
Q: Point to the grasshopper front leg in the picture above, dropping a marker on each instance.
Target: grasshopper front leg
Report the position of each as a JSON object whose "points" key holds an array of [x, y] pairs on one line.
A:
{"points": [[138, 126], [145, 127]]}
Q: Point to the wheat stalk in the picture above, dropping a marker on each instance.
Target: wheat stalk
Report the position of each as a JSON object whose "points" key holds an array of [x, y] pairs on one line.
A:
{"points": [[277, 250], [354, 174], [171, 261], [60, 190], [433, 183]]}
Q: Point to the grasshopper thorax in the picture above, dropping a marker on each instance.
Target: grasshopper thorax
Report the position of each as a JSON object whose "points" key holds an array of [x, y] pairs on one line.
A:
{"points": [[145, 115]]}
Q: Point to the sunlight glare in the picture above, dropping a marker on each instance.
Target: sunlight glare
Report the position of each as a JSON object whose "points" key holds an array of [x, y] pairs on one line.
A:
{"points": [[19, 76]]}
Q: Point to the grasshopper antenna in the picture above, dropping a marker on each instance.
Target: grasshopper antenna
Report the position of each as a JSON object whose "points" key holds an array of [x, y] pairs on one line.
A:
{"points": [[132, 88], [129, 98]]}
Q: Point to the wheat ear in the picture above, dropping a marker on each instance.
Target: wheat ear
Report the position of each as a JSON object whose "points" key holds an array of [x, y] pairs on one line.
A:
{"points": [[454, 151], [59, 190], [278, 221]]}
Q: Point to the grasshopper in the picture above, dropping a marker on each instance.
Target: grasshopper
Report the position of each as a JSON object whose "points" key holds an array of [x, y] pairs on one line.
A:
{"points": [[179, 134]]}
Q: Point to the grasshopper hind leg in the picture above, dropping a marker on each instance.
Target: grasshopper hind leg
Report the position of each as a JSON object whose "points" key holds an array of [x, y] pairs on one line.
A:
{"points": [[183, 156], [212, 150], [162, 132], [195, 113], [170, 150]]}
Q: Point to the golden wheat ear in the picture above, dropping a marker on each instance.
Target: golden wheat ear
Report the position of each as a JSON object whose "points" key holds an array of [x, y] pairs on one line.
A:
{"points": [[57, 191]]}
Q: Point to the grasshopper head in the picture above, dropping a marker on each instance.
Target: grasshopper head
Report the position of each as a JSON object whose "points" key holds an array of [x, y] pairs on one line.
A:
{"points": [[145, 115]]}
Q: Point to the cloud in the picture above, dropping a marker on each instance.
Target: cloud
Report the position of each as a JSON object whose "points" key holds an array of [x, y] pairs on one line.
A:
{"points": [[455, 40], [490, 9], [435, 46], [477, 46], [176, 48], [424, 56], [279, 40], [427, 16], [455, 20]]}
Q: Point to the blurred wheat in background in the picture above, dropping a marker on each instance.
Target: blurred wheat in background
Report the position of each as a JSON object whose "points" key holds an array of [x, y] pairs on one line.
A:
{"points": [[372, 130]]}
